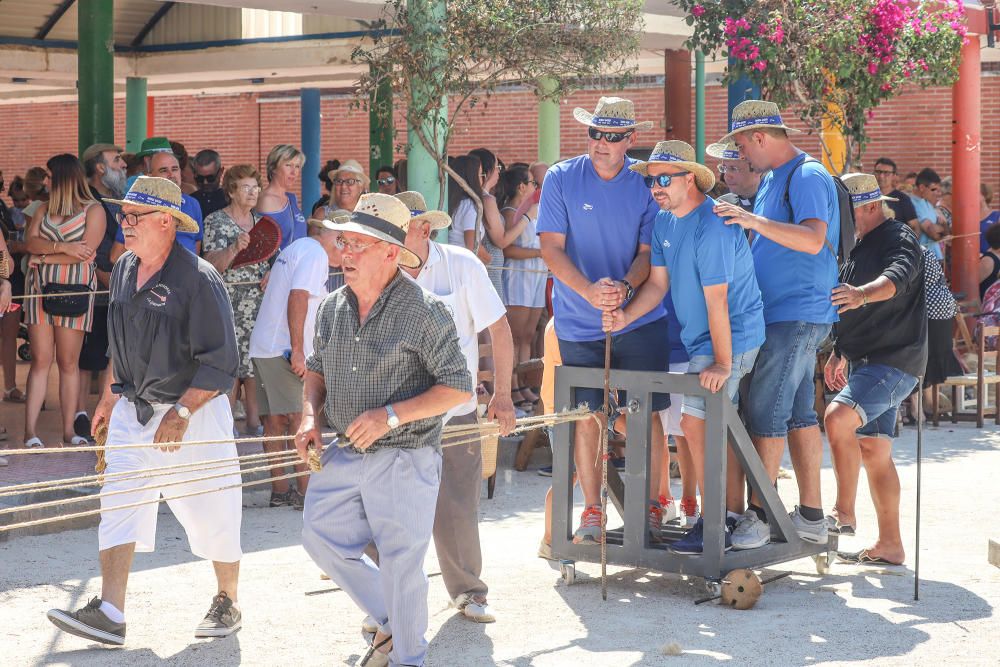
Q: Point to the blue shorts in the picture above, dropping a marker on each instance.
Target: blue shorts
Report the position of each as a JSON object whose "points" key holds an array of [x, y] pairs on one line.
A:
{"points": [[742, 363], [646, 348], [875, 392], [783, 389]]}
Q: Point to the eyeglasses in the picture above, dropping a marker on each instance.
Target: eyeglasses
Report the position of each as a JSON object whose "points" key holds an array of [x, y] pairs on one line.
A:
{"points": [[731, 169], [610, 137], [250, 189], [883, 172], [210, 178], [132, 219], [349, 182], [354, 247], [662, 180], [388, 180], [534, 182]]}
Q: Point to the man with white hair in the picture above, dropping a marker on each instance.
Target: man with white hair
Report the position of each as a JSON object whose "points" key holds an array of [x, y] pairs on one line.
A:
{"points": [[173, 358]]}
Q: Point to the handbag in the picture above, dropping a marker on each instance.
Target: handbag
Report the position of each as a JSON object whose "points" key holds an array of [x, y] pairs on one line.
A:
{"points": [[65, 306]]}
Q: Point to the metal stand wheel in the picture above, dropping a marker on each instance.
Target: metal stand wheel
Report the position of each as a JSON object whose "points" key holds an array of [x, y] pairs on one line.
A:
{"points": [[567, 569], [824, 561], [713, 587]]}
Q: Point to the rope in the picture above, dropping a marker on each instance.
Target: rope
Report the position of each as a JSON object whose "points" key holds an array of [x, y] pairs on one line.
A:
{"points": [[25, 297]]}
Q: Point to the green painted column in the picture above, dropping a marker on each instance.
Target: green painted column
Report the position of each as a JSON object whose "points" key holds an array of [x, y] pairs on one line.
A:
{"points": [[699, 106], [135, 113], [95, 73], [548, 124], [380, 130], [428, 17]]}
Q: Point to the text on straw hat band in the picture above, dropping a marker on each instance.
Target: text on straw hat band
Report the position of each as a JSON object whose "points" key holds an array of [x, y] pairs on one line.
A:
{"points": [[730, 155], [866, 197], [143, 199], [665, 157], [763, 120], [607, 121]]}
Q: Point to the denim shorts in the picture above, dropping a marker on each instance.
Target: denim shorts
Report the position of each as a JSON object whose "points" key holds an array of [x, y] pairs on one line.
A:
{"points": [[646, 348], [742, 363], [875, 392], [783, 390]]}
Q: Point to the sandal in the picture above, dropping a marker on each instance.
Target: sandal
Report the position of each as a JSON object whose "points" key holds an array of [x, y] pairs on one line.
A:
{"points": [[863, 558], [34, 443], [77, 441], [374, 657], [14, 395]]}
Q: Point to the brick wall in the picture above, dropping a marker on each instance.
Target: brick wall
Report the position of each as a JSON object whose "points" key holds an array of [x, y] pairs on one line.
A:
{"points": [[914, 128]]}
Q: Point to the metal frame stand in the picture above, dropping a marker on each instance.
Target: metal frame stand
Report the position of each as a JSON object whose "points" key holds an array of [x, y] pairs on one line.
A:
{"points": [[629, 546]]}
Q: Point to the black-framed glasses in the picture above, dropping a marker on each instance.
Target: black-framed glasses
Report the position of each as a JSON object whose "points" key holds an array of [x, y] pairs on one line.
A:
{"points": [[610, 137], [350, 182], [132, 219], [534, 182], [388, 180], [208, 178], [884, 172], [662, 180]]}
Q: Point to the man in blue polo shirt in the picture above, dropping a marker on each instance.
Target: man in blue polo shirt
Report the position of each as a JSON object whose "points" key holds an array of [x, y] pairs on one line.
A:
{"points": [[165, 165], [594, 224], [709, 270], [795, 234]]}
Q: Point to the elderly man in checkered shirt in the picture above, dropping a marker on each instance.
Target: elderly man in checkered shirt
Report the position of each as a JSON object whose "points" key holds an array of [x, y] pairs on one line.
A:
{"points": [[386, 367]]}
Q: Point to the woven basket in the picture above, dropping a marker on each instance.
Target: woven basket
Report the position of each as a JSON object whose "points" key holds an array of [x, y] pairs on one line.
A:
{"points": [[491, 446]]}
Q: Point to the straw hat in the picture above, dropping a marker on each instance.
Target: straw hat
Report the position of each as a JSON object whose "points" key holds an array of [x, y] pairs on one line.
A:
{"points": [[864, 189], [678, 154], [756, 115], [612, 113], [161, 195], [381, 217], [338, 214], [726, 151], [418, 210], [354, 167], [152, 145]]}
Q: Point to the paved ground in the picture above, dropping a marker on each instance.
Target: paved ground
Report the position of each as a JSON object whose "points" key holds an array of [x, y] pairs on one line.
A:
{"points": [[291, 617]]}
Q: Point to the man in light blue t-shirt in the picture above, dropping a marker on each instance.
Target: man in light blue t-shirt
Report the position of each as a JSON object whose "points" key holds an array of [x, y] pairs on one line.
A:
{"points": [[708, 268], [925, 196], [594, 224], [795, 235]]}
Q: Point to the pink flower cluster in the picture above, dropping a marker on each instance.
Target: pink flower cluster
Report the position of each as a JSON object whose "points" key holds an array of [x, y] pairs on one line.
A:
{"points": [[887, 20], [741, 36], [697, 10]]}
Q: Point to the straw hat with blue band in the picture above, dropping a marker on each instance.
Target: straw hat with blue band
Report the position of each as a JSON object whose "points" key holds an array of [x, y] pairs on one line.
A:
{"points": [[159, 194], [864, 189], [726, 151], [678, 154], [613, 114], [756, 115], [381, 217], [418, 210]]}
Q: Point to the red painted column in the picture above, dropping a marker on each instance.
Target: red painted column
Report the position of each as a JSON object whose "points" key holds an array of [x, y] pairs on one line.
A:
{"points": [[966, 151], [150, 116], [677, 95]]}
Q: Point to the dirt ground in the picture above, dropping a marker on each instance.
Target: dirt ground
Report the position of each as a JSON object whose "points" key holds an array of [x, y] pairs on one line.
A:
{"points": [[852, 615]]}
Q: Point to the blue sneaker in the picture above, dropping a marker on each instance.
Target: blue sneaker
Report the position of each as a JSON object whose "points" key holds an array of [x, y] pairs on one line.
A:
{"points": [[545, 471], [619, 463], [692, 542]]}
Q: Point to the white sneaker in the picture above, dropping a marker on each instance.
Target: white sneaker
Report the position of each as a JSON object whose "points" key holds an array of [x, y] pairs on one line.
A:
{"points": [[474, 608], [669, 508], [690, 513], [751, 532], [810, 531]]}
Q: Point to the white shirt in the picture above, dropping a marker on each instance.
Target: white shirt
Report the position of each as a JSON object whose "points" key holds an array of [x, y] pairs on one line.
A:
{"points": [[303, 265], [464, 220], [459, 279]]}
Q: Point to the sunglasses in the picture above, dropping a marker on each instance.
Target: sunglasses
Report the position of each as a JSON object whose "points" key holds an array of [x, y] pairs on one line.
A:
{"points": [[663, 180], [388, 180], [610, 137], [132, 219], [210, 178], [350, 182]]}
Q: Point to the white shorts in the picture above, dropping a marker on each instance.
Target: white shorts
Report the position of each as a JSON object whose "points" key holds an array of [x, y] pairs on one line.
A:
{"points": [[211, 520], [671, 417]]}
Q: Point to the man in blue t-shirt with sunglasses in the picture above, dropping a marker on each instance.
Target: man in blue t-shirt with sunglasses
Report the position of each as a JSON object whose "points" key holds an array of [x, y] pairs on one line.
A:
{"points": [[595, 219]]}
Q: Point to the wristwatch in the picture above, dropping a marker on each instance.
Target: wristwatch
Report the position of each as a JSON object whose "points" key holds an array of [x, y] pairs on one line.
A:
{"points": [[182, 411], [629, 290], [393, 420]]}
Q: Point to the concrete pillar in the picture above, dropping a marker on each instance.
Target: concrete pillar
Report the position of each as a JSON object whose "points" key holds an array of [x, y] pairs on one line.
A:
{"points": [[95, 73], [379, 130], [311, 144], [428, 17], [741, 90], [699, 105], [548, 124], [966, 153], [677, 95], [136, 113]]}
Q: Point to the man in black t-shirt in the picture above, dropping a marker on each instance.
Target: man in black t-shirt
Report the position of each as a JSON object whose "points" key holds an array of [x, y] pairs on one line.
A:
{"points": [[902, 209], [208, 171]]}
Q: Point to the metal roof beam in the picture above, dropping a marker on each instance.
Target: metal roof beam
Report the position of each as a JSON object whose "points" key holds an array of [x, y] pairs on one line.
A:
{"points": [[151, 23], [53, 19]]}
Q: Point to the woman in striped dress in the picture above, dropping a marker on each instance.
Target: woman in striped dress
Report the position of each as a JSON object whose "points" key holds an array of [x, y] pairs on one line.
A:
{"points": [[62, 239]]}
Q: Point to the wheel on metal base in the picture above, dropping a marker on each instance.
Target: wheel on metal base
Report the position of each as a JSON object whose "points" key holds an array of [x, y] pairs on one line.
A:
{"points": [[24, 352], [823, 562], [713, 587], [567, 568]]}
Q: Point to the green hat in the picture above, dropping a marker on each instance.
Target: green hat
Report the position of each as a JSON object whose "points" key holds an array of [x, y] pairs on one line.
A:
{"points": [[152, 145]]}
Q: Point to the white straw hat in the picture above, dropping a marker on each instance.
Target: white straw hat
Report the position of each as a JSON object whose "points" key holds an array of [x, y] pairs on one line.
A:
{"points": [[726, 151], [381, 217], [418, 210], [756, 115], [678, 154], [160, 194], [864, 189], [353, 167], [612, 113]]}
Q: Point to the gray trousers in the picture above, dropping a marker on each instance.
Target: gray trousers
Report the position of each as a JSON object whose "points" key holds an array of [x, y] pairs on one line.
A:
{"points": [[387, 497], [456, 522]]}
